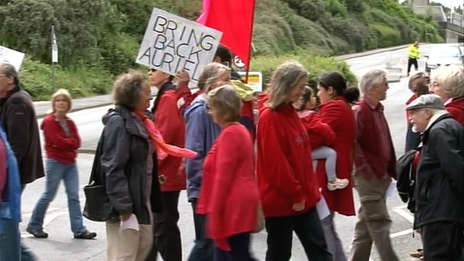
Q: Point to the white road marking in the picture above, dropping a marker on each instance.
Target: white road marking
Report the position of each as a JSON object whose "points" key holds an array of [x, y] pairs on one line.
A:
{"points": [[404, 213], [401, 233]]}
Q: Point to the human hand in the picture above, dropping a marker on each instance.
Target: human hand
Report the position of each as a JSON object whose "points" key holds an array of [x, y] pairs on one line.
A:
{"points": [[161, 179], [299, 206], [125, 217]]}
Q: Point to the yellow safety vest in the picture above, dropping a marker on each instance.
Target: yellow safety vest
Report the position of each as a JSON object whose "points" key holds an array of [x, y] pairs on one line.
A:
{"points": [[413, 52]]}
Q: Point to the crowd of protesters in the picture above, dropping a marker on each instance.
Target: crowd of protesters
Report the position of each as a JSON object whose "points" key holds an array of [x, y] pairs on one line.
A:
{"points": [[241, 170]]}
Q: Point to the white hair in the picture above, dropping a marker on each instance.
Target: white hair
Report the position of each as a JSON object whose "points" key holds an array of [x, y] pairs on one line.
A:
{"points": [[370, 79], [451, 78]]}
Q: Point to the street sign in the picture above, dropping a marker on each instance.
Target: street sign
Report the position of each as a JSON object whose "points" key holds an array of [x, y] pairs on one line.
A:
{"points": [[10, 56], [255, 79], [238, 62]]}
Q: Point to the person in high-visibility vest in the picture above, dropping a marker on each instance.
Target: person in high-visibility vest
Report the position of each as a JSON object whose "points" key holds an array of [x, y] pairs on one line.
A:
{"points": [[414, 54]]}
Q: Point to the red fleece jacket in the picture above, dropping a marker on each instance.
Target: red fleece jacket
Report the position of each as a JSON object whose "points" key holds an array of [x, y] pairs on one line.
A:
{"points": [[57, 145]]}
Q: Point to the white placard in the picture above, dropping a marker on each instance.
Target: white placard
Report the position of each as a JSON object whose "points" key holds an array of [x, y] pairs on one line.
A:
{"points": [[172, 43], [11, 56]]}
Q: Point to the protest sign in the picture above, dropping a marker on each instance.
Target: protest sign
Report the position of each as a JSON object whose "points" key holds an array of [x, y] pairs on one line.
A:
{"points": [[172, 43], [10, 56]]}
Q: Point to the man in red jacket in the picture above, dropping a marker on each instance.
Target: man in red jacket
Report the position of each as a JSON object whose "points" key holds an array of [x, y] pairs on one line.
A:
{"points": [[375, 167]]}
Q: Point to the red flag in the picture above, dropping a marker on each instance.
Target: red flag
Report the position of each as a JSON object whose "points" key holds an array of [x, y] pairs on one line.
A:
{"points": [[234, 18]]}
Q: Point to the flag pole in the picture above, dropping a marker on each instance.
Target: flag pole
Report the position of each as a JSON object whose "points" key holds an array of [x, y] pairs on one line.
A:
{"points": [[251, 40]]}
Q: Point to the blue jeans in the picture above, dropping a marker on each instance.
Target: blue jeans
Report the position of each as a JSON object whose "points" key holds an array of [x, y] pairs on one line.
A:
{"points": [[11, 248], [55, 173]]}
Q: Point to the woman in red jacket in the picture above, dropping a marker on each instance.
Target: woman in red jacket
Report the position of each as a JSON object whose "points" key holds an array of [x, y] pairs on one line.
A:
{"points": [[229, 194], [320, 131], [288, 186], [61, 143], [169, 120], [335, 110]]}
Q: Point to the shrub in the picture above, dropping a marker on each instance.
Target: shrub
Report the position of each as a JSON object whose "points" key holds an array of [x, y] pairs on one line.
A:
{"points": [[316, 65], [81, 82]]}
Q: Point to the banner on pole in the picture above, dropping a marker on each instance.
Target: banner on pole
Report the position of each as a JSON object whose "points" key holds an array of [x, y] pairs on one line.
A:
{"points": [[172, 43], [11, 56]]}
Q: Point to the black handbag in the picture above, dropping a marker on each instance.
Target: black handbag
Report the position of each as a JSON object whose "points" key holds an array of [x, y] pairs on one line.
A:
{"points": [[97, 204]]}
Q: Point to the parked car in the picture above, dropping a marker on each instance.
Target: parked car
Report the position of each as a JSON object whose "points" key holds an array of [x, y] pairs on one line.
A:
{"points": [[444, 55]]}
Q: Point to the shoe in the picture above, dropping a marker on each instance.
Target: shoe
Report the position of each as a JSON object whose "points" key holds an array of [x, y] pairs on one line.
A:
{"points": [[418, 254], [37, 233], [337, 184], [86, 235]]}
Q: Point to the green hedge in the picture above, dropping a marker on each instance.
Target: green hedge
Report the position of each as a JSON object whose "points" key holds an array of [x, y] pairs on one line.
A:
{"points": [[81, 82], [316, 65]]}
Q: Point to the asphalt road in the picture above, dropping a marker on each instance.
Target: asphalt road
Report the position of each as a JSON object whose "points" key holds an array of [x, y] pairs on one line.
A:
{"points": [[60, 246]]}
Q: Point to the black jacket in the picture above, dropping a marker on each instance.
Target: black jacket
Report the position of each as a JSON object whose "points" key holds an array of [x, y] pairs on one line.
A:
{"points": [[19, 121], [124, 161], [440, 178]]}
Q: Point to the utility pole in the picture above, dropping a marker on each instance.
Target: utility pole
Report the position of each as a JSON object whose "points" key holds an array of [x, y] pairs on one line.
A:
{"points": [[54, 56]]}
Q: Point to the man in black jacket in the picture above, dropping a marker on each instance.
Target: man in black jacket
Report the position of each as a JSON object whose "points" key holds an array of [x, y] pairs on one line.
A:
{"points": [[439, 189], [18, 119]]}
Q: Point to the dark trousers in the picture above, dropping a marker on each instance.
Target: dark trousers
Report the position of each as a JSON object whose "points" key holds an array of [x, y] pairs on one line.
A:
{"points": [[307, 227], [411, 62], [239, 249], [204, 247], [443, 241], [166, 233]]}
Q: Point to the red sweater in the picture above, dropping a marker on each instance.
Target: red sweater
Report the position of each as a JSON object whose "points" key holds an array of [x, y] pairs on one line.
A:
{"points": [[285, 172], [456, 109], [320, 134], [57, 145], [170, 123], [229, 193]]}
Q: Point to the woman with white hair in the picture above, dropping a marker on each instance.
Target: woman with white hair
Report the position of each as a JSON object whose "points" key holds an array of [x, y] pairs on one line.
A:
{"points": [[288, 186], [448, 83]]}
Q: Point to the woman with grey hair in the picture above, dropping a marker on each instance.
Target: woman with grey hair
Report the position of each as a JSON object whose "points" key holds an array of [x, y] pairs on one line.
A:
{"points": [[131, 148], [448, 83], [229, 187], [288, 186]]}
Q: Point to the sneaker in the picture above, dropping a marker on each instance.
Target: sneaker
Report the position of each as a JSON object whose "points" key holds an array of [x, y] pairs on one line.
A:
{"points": [[86, 235], [418, 254], [37, 233], [337, 184]]}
